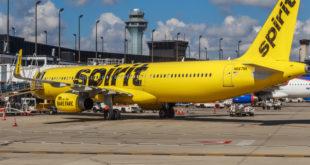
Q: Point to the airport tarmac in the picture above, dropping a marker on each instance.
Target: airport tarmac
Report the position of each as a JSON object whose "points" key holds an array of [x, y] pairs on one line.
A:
{"points": [[198, 137]]}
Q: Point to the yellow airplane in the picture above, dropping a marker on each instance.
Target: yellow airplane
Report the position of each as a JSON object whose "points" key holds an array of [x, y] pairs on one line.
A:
{"points": [[160, 85]]}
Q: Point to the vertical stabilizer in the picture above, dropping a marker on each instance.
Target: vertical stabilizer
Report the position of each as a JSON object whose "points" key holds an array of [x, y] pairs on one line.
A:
{"points": [[274, 40]]}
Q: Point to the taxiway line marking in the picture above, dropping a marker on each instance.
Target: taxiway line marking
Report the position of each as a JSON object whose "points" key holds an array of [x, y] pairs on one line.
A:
{"points": [[153, 154]]}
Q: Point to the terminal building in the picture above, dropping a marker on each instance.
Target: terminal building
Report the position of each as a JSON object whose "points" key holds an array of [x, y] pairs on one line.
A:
{"points": [[175, 49], [49, 53]]}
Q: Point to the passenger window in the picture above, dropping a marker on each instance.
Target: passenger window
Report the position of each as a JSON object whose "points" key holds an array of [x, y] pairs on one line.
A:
{"points": [[171, 75], [194, 75], [157, 75], [161, 76], [179, 75], [201, 74], [206, 75], [190, 75], [186, 75], [164, 75], [210, 74], [197, 75]]}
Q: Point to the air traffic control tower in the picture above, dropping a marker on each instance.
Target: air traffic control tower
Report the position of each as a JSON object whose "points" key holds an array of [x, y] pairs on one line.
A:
{"points": [[136, 25]]}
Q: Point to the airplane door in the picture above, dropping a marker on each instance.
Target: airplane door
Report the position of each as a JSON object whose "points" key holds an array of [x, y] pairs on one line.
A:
{"points": [[227, 76]]}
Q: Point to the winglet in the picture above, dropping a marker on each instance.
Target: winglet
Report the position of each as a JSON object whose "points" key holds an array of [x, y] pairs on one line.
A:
{"points": [[18, 65]]}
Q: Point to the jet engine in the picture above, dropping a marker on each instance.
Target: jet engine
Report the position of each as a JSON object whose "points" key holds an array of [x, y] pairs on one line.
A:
{"points": [[245, 99], [72, 103]]}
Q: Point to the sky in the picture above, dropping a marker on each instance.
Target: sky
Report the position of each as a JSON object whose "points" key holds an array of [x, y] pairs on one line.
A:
{"points": [[232, 20]]}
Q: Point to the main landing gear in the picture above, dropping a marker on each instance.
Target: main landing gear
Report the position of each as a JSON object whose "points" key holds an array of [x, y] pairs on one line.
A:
{"points": [[109, 113], [167, 111], [112, 114]]}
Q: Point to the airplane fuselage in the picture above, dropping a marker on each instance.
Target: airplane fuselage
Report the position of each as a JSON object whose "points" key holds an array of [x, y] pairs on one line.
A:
{"points": [[201, 81], [298, 87]]}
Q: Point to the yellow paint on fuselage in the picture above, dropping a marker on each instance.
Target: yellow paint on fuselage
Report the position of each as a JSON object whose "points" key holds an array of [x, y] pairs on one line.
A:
{"points": [[186, 88]]}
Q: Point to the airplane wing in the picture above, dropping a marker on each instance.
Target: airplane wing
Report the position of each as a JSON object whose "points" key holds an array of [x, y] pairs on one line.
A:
{"points": [[137, 95]]}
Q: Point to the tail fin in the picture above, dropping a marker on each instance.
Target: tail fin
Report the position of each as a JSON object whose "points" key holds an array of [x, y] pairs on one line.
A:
{"points": [[18, 64], [275, 39]]}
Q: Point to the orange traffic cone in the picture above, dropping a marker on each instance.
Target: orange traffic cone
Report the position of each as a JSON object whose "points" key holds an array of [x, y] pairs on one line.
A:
{"points": [[214, 111], [178, 113], [3, 116], [182, 113], [14, 124]]}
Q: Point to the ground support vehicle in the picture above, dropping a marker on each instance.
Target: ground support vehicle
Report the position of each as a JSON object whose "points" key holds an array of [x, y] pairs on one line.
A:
{"points": [[241, 110]]}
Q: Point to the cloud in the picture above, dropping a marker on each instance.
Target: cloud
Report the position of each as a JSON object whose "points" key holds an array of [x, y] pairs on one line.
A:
{"points": [[109, 2], [302, 31], [47, 20], [77, 3], [232, 29], [262, 3], [2, 23], [111, 28]]}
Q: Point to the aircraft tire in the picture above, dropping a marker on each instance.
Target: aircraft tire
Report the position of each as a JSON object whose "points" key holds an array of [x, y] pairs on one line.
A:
{"points": [[109, 115], [162, 114], [117, 114], [170, 113]]}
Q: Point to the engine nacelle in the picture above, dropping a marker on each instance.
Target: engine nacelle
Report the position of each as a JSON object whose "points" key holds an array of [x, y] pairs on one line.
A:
{"points": [[72, 103], [245, 99]]}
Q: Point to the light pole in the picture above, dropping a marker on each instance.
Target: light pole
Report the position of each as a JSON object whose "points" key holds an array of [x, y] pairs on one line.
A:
{"points": [[153, 45], [238, 54], [102, 44], [45, 37], [36, 28], [74, 35], [177, 43], [14, 31], [97, 39], [8, 29], [79, 61], [59, 32], [220, 48], [199, 47], [206, 53]]}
